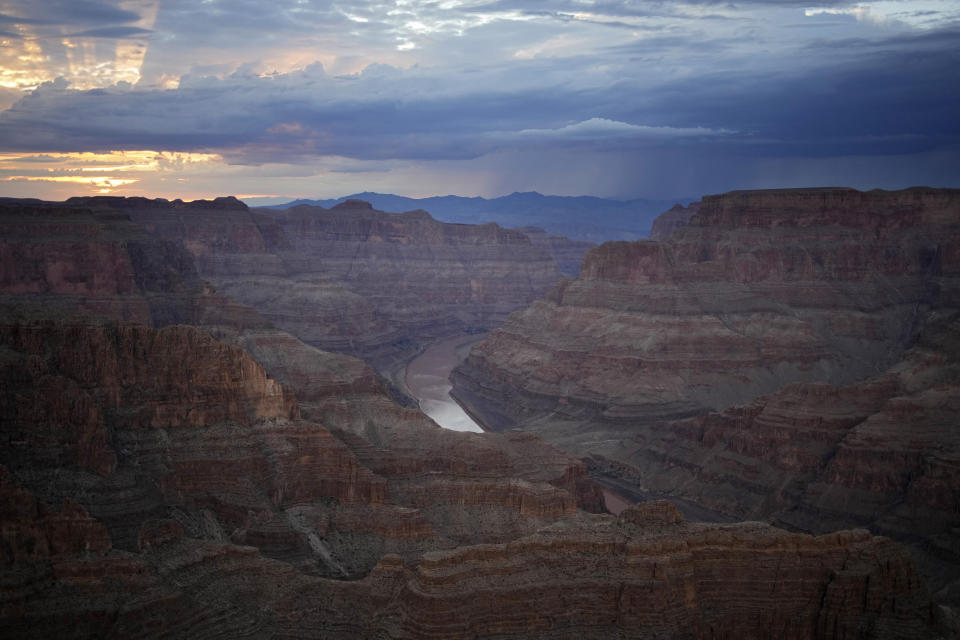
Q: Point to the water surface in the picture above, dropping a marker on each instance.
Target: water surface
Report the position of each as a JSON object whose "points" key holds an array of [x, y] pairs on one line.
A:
{"points": [[427, 378]]}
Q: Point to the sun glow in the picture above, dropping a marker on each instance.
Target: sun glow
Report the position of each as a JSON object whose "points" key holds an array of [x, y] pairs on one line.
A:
{"points": [[112, 170], [39, 52], [102, 182]]}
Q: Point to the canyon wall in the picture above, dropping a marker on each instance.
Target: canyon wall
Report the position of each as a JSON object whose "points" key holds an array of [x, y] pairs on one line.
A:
{"points": [[176, 466], [352, 279], [787, 355], [674, 218], [567, 254], [124, 391], [644, 574]]}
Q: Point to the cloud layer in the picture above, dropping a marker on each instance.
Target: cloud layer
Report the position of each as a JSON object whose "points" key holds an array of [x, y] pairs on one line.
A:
{"points": [[619, 83]]}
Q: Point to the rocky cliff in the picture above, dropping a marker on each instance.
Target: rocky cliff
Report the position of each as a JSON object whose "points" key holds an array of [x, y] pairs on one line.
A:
{"points": [[157, 481], [644, 574], [787, 355], [567, 254], [352, 279], [128, 392], [674, 218]]}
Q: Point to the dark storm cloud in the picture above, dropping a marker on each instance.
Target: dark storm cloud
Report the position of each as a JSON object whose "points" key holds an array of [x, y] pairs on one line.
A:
{"points": [[947, 39], [364, 118], [112, 32], [548, 91], [268, 19], [897, 97], [64, 12], [891, 100]]}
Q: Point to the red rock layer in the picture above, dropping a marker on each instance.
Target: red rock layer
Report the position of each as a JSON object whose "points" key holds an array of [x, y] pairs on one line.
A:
{"points": [[650, 576], [195, 504], [645, 574], [674, 218], [352, 279], [788, 355], [195, 468], [656, 328], [882, 453], [567, 253]]}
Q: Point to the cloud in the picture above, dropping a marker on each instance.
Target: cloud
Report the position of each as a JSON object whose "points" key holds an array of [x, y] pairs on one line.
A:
{"points": [[549, 82], [64, 12], [899, 96], [861, 12], [111, 32], [602, 129]]}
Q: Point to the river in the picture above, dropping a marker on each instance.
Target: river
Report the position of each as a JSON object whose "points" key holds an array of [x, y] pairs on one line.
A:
{"points": [[428, 379]]}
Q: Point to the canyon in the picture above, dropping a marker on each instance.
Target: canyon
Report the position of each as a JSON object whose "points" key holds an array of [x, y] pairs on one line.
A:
{"points": [[192, 447], [787, 356], [354, 280]]}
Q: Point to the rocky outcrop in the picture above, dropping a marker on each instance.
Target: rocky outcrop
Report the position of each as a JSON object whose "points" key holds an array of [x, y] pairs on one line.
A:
{"points": [[424, 278], [352, 279], [643, 576], [780, 295], [675, 217], [882, 454], [567, 253], [653, 329], [165, 434], [644, 573], [97, 264], [788, 355], [157, 481], [154, 426]]}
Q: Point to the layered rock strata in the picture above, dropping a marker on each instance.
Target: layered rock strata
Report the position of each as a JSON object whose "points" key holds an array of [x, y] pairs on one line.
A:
{"points": [[158, 482], [776, 287], [567, 254], [787, 355], [674, 218], [352, 279], [644, 574], [97, 264]]}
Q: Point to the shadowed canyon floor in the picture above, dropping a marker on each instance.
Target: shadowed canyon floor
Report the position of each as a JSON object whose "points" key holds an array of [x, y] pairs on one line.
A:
{"points": [[177, 465]]}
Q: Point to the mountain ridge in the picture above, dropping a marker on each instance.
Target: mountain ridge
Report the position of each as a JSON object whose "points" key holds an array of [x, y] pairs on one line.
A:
{"points": [[588, 218]]}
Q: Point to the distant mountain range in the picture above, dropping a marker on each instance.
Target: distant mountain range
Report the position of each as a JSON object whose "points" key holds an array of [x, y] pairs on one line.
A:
{"points": [[582, 217]]}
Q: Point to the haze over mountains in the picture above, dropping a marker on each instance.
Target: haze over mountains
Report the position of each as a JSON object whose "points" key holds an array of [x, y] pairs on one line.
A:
{"points": [[586, 218]]}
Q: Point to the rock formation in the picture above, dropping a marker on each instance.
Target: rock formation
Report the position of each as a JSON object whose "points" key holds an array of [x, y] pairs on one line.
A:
{"points": [[161, 477], [674, 218], [787, 355], [351, 279], [127, 396], [644, 574], [567, 254]]}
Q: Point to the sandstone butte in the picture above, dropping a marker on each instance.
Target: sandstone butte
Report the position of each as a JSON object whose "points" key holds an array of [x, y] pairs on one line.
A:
{"points": [[175, 465], [790, 356]]}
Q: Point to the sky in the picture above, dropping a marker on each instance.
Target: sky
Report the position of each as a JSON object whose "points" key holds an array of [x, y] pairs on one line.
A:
{"points": [[271, 100]]}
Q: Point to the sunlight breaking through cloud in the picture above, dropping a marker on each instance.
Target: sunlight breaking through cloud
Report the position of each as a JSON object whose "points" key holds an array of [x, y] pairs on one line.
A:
{"points": [[295, 94], [114, 169]]}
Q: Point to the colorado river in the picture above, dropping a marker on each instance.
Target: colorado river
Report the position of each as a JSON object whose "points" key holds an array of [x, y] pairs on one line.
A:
{"points": [[427, 379]]}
